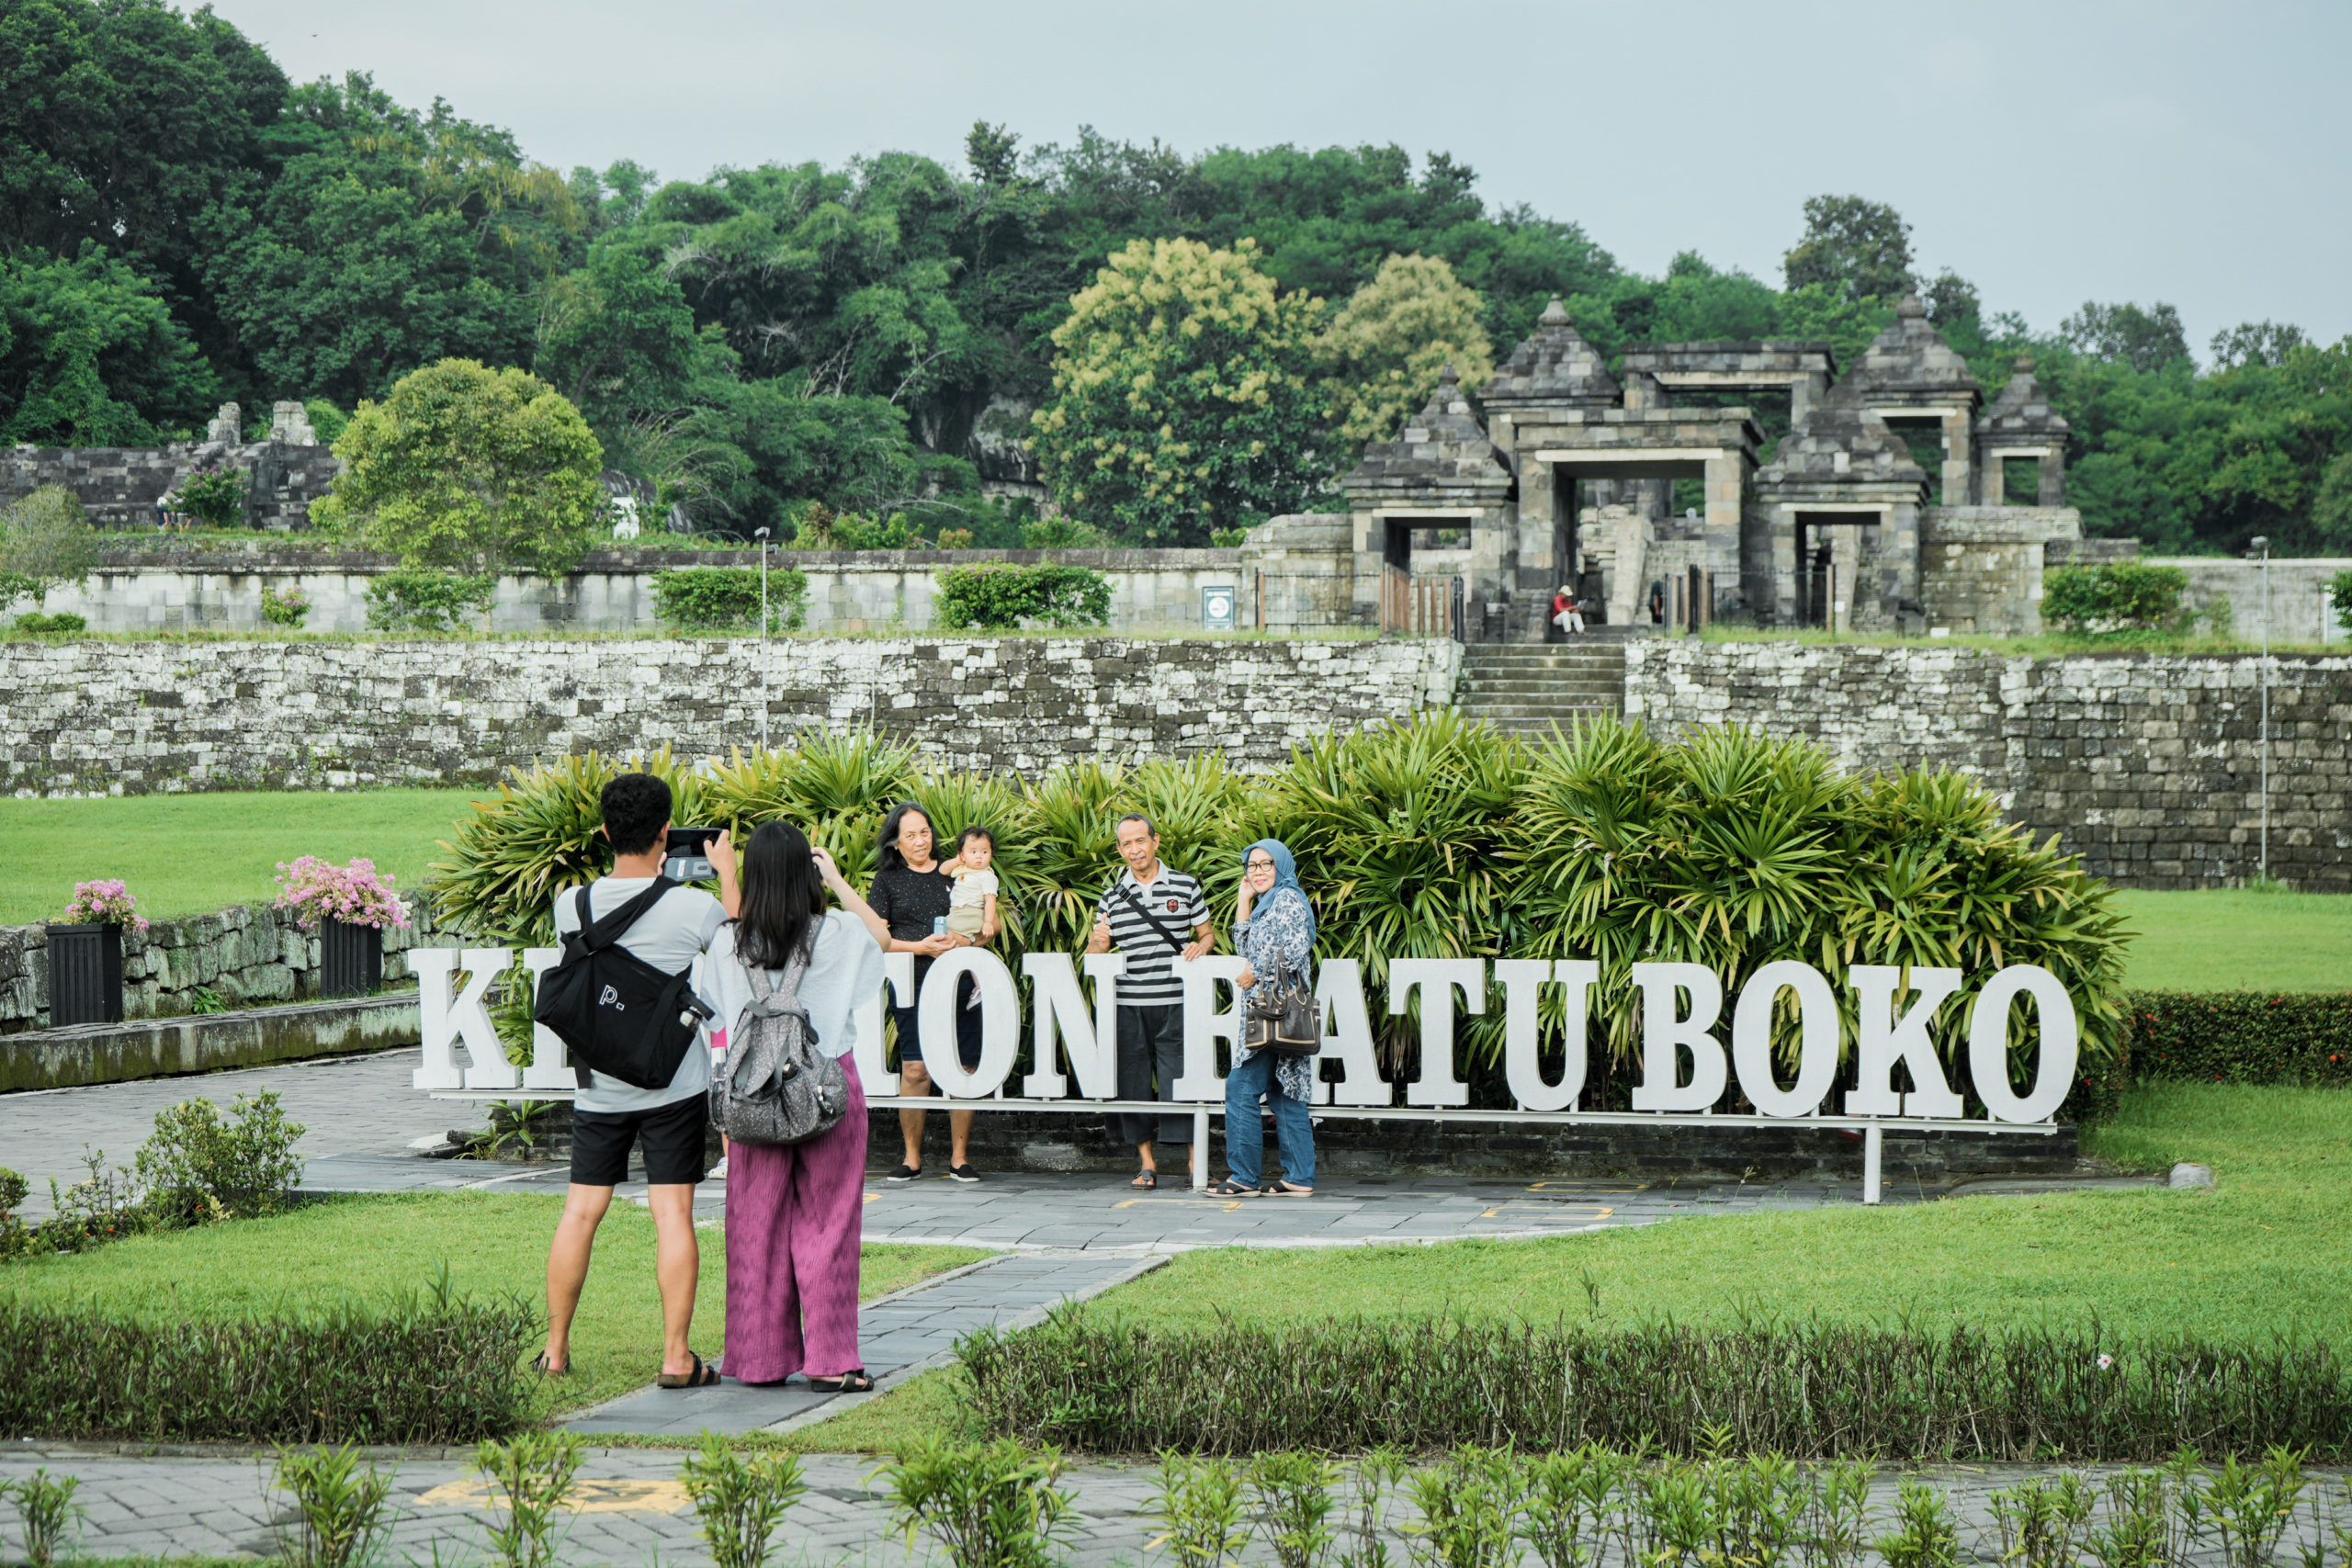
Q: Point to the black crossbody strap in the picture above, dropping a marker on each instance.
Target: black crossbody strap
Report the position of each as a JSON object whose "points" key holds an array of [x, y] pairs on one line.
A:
{"points": [[599, 934], [1174, 940]]}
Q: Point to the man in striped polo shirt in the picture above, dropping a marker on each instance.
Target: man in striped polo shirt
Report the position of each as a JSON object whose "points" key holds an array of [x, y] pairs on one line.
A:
{"points": [[1146, 914]]}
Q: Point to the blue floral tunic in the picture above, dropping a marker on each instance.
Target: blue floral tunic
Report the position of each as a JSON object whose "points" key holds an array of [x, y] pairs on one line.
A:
{"points": [[1281, 932]]}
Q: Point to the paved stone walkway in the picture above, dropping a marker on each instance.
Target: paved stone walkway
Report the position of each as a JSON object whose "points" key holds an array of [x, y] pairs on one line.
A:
{"points": [[632, 1509]]}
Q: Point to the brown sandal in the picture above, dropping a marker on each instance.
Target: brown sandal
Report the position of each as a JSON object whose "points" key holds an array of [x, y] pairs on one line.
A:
{"points": [[703, 1376]]}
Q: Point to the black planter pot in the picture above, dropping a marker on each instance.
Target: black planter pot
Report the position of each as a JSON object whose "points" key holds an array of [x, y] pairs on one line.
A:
{"points": [[85, 975], [351, 959]]}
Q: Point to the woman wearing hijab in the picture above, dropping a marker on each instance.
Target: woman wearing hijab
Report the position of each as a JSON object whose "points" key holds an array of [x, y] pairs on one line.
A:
{"points": [[1274, 928]]}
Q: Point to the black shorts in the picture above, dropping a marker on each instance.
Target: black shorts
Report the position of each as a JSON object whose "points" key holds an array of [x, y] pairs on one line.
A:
{"points": [[672, 1134], [967, 1029]]}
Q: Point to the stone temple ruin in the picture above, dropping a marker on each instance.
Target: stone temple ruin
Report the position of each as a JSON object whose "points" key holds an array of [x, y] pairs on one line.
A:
{"points": [[1472, 525], [125, 486]]}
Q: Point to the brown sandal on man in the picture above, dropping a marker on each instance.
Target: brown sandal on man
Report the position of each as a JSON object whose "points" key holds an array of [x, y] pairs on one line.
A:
{"points": [[703, 1376], [1145, 1180]]}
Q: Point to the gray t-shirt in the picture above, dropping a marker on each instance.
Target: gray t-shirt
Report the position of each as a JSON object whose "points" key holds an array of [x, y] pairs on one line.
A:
{"points": [[844, 971], [670, 936]]}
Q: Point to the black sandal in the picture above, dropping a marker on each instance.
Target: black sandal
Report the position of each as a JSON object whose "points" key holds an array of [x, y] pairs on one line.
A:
{"points": [[540, 1365], [1145, 1180], [854, 1380], [705, 1375], [1230, 1188]]}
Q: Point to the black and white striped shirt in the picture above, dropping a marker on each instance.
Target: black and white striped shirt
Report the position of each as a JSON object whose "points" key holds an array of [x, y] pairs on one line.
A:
{"points": [[1175, 899]]}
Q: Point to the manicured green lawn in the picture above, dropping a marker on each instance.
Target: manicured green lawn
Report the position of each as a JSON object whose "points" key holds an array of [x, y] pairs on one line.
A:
{"points": [[2269, 1250], [2227, 939], [492, 1243], [190, 854]]}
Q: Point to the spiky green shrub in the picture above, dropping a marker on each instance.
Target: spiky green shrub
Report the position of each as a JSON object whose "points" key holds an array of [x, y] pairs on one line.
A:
{"points": [[1433, 837]]}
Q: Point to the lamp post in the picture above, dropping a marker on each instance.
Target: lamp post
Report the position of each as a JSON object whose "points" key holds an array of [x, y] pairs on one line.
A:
{"points": [[2259, 549], [761, 534]]}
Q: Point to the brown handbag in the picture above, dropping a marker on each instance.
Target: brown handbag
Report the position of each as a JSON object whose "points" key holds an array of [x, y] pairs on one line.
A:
{"points": [[1283, 1015]]}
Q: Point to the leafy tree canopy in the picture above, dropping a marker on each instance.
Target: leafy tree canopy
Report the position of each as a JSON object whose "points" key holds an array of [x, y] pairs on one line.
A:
{"points": [[1856, 249], [469, 469], [1386, 346], [90, 355], [1184, 396], [46, 542]]}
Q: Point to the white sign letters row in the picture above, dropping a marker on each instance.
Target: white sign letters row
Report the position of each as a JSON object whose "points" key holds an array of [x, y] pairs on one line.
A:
{"points": [[1685, 1066]]}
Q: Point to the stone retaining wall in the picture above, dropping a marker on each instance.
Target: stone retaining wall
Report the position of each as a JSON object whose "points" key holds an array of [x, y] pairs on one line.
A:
{"points": [[2149, 766], [244, 956], [88, 717], [118, 1053]]}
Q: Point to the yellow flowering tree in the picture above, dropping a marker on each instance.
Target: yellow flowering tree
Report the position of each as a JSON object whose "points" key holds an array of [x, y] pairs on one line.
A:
{"points": [[1387, 345], [1184, 398]]}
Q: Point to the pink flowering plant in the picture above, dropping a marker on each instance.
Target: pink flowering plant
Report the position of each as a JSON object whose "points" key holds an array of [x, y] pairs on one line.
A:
{"points": [[357, 894], [104, 904]]}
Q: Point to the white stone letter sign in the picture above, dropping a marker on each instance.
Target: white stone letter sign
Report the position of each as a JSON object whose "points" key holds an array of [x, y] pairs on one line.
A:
{"points": [[1988, 1044]]}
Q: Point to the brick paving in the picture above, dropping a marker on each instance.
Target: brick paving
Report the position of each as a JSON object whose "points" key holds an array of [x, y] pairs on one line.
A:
{"points": [[632, 1510]]}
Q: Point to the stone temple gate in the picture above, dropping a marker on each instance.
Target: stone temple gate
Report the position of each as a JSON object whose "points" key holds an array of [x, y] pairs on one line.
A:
{"points": [[1566, 473]]}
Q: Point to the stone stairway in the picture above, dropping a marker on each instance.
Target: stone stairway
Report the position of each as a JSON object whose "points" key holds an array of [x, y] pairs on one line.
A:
{"points": [[1526, 688]]}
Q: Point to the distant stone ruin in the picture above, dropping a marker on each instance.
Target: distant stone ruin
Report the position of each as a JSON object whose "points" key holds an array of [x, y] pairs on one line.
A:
{"points": [[1567, 480], [123, 487]]}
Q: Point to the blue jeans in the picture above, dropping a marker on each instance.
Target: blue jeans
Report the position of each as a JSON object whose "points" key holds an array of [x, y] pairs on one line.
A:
{"points": [[1245, 1139]]}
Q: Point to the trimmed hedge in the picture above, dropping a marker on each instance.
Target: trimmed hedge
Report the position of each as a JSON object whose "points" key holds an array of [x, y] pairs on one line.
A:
{"points": [[994, 597], [2301, 1039], [1809, 1389], [427, 1368]]}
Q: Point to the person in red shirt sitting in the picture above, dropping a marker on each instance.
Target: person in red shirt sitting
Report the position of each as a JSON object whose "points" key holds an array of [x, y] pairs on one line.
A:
{"points": [[1565, 614]]}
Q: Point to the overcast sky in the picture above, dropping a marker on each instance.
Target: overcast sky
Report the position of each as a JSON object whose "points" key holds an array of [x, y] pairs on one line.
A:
{"points": [[2051, 152]]}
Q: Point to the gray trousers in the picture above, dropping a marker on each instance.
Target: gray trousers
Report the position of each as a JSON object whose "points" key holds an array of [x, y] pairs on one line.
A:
{"points": [[1151, 1055]]}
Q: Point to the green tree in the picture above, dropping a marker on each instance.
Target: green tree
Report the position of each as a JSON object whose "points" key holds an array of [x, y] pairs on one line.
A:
{"points": [[46, 542], [90, 355], [389, 240], [1183, 396], [1385, 347], [469, 469], [617, 336], [1856, 249], [2148, 340]]}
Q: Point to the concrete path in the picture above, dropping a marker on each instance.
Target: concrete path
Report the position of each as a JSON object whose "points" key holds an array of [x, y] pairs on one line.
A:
{"points": [[631, 1508]]}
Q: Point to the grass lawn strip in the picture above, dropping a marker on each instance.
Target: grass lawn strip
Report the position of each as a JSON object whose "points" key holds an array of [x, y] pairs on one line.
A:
{"points": [[2230, 938], [2263, 1254], [492, 1243], [193, 854]]}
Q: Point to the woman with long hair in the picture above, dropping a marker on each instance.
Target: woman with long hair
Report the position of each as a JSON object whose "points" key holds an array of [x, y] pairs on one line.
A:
{"points": [[795, 1215]]}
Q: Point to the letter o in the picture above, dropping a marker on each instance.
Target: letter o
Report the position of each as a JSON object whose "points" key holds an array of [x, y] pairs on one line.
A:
{"points": [[1751, 1037], [1988, 1043]]}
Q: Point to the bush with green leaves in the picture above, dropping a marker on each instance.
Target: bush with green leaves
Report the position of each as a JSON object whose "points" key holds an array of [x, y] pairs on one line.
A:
{"points": [[427, 601], [47, 1516], [284, 609], [726, 598], [197, 1166], [426, 1366], [62, 621], [999, 597], [2115, 596], [985, 1504], [46, 542], [741, 1499], [1807, 1389], [2339, 595], [339, 1518], [214, 497]]}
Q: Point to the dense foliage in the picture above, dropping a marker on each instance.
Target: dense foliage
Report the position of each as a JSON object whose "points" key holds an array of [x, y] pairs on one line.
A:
{"points": [[465, 468], [728, 598], [179, 224], [995, 598], [2106, 596], [1814, 1389], [2243, 1037], [46, 542], [1436, 839]]}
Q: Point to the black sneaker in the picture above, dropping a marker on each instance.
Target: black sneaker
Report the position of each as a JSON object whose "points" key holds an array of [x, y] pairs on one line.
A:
{"points": [[962, 1173], [904, 1173]]}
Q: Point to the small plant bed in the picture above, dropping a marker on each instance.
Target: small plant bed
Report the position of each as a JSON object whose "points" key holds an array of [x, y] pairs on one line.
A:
{"points": [[357, 1251], [193, 854]]}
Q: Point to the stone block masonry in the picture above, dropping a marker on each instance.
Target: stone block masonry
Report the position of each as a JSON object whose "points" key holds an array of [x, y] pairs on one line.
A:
{"points": [[2148, 766], [82, 718]]}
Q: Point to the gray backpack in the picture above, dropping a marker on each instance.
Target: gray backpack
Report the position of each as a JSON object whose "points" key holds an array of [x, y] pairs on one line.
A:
{"points": [[776, 1089]]}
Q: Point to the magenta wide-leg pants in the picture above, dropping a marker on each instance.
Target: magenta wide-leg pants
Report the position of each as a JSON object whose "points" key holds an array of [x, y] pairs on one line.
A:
{"points": [[794, 1220]]}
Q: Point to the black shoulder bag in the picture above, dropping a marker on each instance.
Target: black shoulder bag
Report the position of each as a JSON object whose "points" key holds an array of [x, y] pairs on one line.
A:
{"points": [[619, 1014]]}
